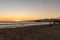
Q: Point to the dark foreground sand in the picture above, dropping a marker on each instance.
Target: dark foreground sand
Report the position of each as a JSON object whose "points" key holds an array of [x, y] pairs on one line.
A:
{"points": [[43, 32]]}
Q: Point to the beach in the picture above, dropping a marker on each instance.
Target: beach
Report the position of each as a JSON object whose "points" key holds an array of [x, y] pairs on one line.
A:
{"points": [[37, 32]]}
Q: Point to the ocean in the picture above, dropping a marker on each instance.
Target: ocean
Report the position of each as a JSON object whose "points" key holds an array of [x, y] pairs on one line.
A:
{"points": [[20, 24]]}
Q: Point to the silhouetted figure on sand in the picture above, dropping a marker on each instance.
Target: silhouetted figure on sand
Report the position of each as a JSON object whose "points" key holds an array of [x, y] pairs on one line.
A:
{"points": [[51, 24], [54, 22]]}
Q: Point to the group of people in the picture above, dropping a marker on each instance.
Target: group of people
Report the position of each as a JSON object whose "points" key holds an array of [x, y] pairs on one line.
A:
{"points": [[53, 23]]}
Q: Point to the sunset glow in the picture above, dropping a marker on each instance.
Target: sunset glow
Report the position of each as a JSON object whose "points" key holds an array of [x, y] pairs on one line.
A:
{"points": [[17, 20], [22, 10]]}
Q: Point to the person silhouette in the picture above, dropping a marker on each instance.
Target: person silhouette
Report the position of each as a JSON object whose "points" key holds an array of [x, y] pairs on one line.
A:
{"points": [[51, 24]]}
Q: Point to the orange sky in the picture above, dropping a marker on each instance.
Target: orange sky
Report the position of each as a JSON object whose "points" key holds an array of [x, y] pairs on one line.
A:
{"points": [[22, 18], [12, 10], [17, 19]]}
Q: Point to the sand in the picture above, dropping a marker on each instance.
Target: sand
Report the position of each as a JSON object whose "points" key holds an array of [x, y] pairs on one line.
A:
{"points": [[38, 32]]}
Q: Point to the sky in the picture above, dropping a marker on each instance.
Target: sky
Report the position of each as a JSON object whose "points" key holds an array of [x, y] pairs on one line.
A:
{"points": [[29, 9]]}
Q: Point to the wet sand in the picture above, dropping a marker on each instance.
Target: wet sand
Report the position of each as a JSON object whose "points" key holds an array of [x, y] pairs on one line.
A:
{"points": [[38, 32]]}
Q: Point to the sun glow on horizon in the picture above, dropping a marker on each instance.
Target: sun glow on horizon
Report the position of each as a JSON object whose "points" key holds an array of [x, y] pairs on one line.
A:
{"points": [[17, 20]]}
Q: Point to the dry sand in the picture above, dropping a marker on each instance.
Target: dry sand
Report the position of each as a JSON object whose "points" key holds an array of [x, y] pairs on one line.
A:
{"points": [[41, 32]]}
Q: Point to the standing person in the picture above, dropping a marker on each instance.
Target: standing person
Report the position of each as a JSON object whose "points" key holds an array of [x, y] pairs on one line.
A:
{"points": [[54, 22], [51, 24]]}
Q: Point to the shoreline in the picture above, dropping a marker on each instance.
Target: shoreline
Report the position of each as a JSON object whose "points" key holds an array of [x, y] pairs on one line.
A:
{"points": [[42, 26], [41, 32]]}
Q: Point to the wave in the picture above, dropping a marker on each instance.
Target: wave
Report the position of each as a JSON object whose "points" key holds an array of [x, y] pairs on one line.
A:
{"points": [[21, 24]]}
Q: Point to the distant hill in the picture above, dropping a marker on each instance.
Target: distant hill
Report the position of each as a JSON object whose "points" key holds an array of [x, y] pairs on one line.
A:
{"points": [[58, 18], [47, 20], [43, 20]]}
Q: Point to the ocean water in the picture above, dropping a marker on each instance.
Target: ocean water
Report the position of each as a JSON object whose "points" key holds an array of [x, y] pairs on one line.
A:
{"points": [[20, 24]]}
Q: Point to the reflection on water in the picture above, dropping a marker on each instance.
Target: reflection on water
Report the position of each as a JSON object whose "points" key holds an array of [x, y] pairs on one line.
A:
{"points": [[20, 24]]}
